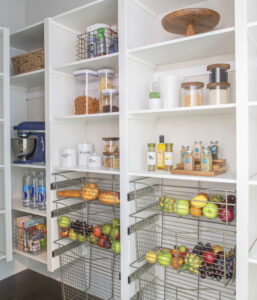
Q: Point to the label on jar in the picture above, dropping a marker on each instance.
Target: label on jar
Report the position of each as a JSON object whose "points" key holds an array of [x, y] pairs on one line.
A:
{"points": [[168, 158], [151, 158]]}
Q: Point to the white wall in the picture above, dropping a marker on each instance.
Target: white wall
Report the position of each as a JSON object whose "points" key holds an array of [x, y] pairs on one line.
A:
{"points": [[13, 14], [38, 10]]}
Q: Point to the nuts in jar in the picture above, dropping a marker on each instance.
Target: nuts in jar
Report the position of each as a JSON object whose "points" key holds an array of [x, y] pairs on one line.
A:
{"points": [[112, 161], [111, 146]]}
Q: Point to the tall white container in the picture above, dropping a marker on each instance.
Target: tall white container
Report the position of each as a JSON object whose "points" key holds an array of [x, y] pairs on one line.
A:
{"points": [[170, 91], [84, 151], [68, 157]]}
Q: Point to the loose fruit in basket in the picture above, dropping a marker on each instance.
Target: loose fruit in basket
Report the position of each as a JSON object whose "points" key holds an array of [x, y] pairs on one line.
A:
{"points": [[64, 222], [217, 249], [184, 251], [166, 203], [177, 262], [73, 235], [81, 238], [64, 232], [226, 214], [106, 229], [200, 200], [164, 257], [115, 233], [90, 192], [107, 244], [181, 207], [116, 247], [195, 211], [218, 199], [97, 231], [151, 257], [92, 239], [192, 263], [101, 241], [109, 197], [211, 210], [116, 222], [209, 257], [175, 252]]}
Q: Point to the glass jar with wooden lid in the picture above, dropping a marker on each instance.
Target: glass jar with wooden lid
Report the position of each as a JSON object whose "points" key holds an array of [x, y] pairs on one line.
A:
{"points": [[218, 72], [111, 146], [218, 93], [192, 93]]}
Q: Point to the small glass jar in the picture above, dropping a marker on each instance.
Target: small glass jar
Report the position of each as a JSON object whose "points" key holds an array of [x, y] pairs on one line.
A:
{"points": [[112, 161], [192, 93], [105, 82], [218, 72], [189, 163], [197, 149], [151, 157], [218, 93], [110, 100], [206, 161], [214, 148], [86, 92], [111, 146], [168, 157], [183, 153]]}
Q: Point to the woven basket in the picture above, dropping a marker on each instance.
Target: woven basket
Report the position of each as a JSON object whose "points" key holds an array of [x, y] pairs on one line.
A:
{"points": [[28, 62]]}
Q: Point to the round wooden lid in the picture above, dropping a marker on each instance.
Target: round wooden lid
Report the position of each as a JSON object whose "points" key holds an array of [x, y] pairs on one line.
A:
{"points": [[221, 66], [190, 21], [220, 84], [197, 84]]}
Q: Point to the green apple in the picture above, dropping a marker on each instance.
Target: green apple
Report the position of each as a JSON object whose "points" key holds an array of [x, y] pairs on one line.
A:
{"points": [[182, 248], [106, 229], [72, 235], [116, 247], [116, 222], [181, 207], [81, 238], [64, 222], [115, 232], [164, 257], [211, 210]]}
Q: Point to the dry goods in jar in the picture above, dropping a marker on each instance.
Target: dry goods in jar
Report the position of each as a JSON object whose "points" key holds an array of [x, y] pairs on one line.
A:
{"points": [[111, 146], [81, 105], [189, 162], [218, 93], [192, 93]]}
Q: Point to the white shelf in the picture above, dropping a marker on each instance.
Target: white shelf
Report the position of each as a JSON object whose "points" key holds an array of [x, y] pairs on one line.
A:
{"points": [[96, 63], [214, 43], [253, 180], [29, 38], [224, 178], [91, 117], [253, 254], [1, 167], [40, 257], [89, 170], [186, 111], [2, 212], [29, 80], [29, 166], [2, 256], [17, 205]]}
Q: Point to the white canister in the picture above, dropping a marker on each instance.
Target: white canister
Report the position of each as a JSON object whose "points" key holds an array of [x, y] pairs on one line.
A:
{"points": [[94, 161], [84, 151], [170, 91], [68, 157]]}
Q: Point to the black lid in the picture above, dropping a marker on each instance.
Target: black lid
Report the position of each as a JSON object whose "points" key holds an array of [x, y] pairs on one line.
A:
{"points": [[161, 139]]}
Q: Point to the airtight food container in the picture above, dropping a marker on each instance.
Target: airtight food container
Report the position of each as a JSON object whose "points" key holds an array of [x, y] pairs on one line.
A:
{"points": [[192, 93]]}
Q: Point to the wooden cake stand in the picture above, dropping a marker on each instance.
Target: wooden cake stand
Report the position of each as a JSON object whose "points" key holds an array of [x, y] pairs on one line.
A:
{"points": [[190, 21]]}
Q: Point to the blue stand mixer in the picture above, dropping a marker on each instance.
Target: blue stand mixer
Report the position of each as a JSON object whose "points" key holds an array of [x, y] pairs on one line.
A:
{"points": [[29, 147]]}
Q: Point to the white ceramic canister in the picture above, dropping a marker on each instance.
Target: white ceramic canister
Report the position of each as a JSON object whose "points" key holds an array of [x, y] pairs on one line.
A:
{"points": [[170, 91], [68, 157], [154, 100], [84, 151], [94, 161]]}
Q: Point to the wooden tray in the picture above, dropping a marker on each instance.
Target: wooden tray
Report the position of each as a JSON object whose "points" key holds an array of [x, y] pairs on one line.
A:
{"points": [[191, 21], [219, 167]]}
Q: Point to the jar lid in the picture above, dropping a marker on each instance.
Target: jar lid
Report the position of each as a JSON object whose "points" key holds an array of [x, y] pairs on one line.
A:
{"points": [[108, 139], [151, 145], [218, 84], [198, 142], [105, 72], [220, 66], [206, 151], [189, 152], [110, 92], [154, 95], [116, 154], [85, 72], [197, 84]]}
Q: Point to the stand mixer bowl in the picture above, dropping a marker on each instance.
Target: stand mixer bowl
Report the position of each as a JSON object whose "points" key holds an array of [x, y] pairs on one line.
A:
{"points": [[24, 148]]}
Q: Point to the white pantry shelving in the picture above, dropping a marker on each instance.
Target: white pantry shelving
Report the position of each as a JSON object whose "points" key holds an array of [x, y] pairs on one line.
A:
{"points": [[88, 170], [18, 206], [29, 166], [28, 80]]}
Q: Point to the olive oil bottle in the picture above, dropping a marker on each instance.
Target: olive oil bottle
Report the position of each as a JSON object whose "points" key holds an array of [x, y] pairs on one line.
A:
{"points": [[161, 154]]}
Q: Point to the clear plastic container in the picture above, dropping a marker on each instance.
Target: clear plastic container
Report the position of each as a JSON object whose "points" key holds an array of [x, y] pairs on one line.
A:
{"points": [[110, 100], [105, 82], [111, 146], [86, 92], [218, 93], [192, 93]]}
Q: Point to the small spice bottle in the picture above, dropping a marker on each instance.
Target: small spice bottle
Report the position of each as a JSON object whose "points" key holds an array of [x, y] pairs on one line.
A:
{"points": [[197, 149], [183, 153], [214, 149], [168, 157], [189, 163], [151, 157], [206, 160]]}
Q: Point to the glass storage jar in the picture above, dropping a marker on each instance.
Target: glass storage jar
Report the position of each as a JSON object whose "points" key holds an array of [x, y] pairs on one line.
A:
{"points": [[168, 157], [105, 82], [192, 93], [189, 162], [151, 157], [112, 161], [218, 73], [111, 146], [183, 153], [218, 93], [110, 100], [206, 160], [86, 92]]}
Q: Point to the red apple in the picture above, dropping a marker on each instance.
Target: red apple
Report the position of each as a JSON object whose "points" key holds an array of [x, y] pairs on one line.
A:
{"points": [[64, 232], [101, 241], [184, 254], [209, 257], [226, 214], [97, 231]]}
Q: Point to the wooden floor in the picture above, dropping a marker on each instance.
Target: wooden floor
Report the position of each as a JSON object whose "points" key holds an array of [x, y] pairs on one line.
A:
{"points": [[29, 285]]}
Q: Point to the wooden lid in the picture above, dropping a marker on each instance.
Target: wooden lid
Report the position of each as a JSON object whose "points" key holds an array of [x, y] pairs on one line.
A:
{"points": [[216, 84], [221, 66], [108, 139], [197, 84]]}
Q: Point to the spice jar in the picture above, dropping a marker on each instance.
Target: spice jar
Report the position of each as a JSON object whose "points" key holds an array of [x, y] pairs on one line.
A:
{"points": [[94, 161], [214, 149], [192, 93], [218, 72], [110, 100], [189, 163], [105, 82], [183, 153], [218, 93], [112, 161], [111, 146], [206, 160], [86, 92], [197, 149], [168, 157], [151, 157]]}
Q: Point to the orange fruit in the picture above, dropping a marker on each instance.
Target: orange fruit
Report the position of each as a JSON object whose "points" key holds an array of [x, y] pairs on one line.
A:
{"points": [[195, 211], [177, 262]]}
